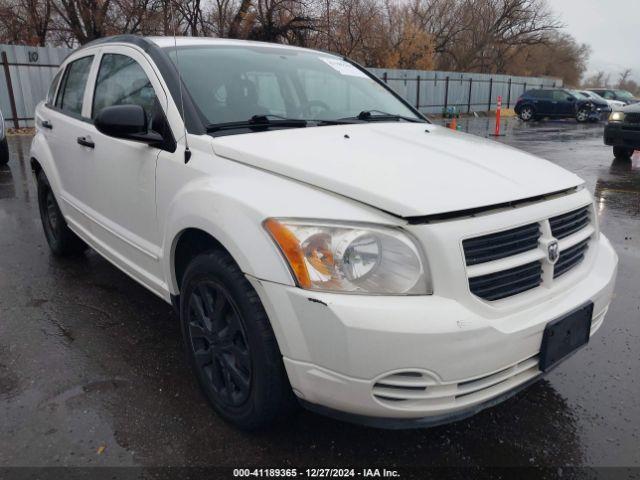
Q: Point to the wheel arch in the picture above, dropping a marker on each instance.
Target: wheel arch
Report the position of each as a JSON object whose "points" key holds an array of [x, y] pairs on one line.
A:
{"points": [[41, 159], [260, 259], [188, 244]]}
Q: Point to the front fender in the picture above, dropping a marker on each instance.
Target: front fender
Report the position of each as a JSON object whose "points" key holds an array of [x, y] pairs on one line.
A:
{"points": [[204, 205]]}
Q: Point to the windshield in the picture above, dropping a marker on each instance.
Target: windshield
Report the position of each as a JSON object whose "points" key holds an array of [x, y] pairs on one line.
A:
{"points": [[236, 83], [578, 94], [624, 94]]}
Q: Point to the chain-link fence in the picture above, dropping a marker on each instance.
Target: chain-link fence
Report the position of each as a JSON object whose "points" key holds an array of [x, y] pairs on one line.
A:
{"points": [[433, 91]]}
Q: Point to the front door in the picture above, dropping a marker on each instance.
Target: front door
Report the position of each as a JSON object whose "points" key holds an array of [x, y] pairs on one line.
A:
{"points": [[124, 175], [565, 103]]}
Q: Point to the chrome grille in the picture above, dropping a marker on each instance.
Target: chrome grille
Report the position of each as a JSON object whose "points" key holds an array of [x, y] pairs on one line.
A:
{"points": [[502, 244], [564, 225]]}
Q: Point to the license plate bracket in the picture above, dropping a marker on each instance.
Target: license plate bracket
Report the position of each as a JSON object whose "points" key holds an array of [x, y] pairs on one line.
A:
{"points": [[565, 335]]}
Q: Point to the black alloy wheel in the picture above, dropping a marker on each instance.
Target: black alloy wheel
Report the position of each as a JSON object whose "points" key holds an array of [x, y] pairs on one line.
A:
{"points": [[230, 344], [219, 342]]}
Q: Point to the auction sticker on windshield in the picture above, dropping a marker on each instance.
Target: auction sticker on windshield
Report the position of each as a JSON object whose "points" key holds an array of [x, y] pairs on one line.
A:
{"points": [[345, 68]]}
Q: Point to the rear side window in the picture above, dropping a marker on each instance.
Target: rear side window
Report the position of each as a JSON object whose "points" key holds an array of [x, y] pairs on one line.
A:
{"points": [[533, 94], [560, 95], [74, 83], [53, 87], [542, 94], [122, 81]]}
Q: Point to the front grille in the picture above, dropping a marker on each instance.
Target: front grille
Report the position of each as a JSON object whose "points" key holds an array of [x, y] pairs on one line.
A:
{"points": [[570, 257], [501, 245], [633, 117], [564, 225], [506, 283], [521, 257]]}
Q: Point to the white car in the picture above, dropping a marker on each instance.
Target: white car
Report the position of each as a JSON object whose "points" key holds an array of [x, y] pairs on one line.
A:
{"points": [[4, 147], [322, 242], [616, 105]]}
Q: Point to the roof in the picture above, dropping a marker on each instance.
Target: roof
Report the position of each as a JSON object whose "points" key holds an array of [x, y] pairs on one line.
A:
{"points": [[168, 41]]}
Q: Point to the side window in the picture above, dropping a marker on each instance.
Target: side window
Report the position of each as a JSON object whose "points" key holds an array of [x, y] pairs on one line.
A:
{"points": [[545, 94], [533, 94], [121, 81], [53, 87], [560, 95], [71, 92], [609, 95]]}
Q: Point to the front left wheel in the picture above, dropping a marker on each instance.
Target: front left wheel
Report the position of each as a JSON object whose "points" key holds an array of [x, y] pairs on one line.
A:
{"points": [[230, 344], [582, 115], [4, 152]]}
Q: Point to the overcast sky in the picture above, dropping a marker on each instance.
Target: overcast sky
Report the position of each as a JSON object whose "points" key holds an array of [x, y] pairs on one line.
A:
{"points": [[610, 27]]}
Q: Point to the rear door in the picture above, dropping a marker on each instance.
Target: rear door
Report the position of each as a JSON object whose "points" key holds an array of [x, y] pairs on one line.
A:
{"points": [[67, 125]]}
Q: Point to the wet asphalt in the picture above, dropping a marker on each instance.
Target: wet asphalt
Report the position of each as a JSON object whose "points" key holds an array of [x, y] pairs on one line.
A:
{"points": [[92, 372]]}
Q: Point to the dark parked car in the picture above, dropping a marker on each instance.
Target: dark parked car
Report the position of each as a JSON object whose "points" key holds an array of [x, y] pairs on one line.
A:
{"points": [[615, 94], [623, 131], [559, 103]]}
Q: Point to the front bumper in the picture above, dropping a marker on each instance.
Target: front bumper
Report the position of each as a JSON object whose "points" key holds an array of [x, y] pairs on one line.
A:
{"points": [[442, 358], [622, 135]]}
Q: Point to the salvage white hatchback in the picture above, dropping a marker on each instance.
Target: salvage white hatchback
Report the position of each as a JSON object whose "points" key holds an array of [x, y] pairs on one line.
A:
{"points": [[322, 241]]}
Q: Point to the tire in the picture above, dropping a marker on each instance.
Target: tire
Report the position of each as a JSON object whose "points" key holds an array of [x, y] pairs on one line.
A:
{"points": [[582, 115], [622, 152], [4, 152], [62, 241], [527, 113], [230, 344]]}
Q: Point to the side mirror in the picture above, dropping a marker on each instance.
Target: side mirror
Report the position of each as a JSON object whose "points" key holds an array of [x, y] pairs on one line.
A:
{"points": [[128, 122], [571, 99]]}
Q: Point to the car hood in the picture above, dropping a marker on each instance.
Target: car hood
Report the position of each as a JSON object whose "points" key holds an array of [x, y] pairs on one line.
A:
{"points": [[408, 169]]}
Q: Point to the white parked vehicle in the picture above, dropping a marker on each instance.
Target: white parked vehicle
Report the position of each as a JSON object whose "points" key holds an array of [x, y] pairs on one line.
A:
{"points": [[321, 240], [616, 105], [4, 147]]}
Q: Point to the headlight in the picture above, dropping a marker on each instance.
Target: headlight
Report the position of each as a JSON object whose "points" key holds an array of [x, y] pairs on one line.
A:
{"points": [[329, 256], [616, 117]]}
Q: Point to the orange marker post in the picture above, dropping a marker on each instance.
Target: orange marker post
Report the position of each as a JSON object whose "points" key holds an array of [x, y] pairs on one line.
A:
{"points": [[497, 131], [454, 124]]}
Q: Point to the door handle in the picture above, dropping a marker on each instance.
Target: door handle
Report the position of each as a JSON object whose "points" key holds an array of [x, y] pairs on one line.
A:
{"points": [[46, 124], [86, 142]]}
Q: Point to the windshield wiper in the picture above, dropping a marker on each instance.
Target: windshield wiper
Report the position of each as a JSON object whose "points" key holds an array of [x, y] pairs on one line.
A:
{"points": [[377, 115], [258, 122]]}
